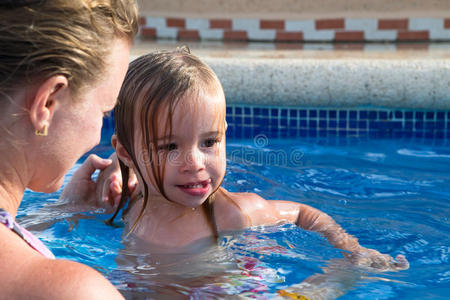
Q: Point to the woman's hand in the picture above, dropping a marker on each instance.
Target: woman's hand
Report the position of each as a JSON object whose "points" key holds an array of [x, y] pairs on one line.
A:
{"points": [[81, 189], [372, 258], [109, 183]]}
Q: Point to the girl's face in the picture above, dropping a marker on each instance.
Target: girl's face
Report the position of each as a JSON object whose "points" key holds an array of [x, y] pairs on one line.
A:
{"points": [[195, 155]]}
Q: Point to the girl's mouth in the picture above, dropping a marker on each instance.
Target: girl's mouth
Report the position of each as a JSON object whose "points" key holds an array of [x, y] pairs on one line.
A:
{"points": [[196, 188]]}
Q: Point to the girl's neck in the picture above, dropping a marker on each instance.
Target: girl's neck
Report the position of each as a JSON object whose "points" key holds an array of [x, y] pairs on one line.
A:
{"points": [[168, 224], [158, 204]]}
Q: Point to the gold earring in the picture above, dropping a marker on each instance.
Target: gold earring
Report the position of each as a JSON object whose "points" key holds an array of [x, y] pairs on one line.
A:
{"points": [[44, 131]]}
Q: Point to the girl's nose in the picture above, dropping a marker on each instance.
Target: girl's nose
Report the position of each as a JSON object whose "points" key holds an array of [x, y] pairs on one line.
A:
{"points": [[194, 161]]}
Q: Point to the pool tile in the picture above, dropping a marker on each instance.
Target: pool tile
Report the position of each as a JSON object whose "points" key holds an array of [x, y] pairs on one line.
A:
{"points": [[246, 121], [302, 113], [332, 114], [248, 132], [372, 115], [332, 132], [363, 114], [430, 125], [408, 125], [312, 133], [440, 134], [322, 114]]}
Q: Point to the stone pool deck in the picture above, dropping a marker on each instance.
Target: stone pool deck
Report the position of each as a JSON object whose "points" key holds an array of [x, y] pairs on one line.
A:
{"points": [[319, 75]]}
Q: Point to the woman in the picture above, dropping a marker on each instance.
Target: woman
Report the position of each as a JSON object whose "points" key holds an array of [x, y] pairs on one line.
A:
{"points": [[62, 63]]}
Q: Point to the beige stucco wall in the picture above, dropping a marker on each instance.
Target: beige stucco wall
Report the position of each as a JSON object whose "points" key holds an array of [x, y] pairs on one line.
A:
{"points": [[295, 9]]}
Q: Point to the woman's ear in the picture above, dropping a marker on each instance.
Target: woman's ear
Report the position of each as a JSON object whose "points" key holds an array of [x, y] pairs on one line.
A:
{"points": [[121, 152], [44, 100]]}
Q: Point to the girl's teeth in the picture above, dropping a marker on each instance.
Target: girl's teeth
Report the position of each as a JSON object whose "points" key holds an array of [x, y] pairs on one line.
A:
{"points": [[196, 186]]}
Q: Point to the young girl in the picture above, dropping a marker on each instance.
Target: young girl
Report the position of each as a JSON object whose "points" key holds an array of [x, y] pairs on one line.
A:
{"points": [[170, 131]]}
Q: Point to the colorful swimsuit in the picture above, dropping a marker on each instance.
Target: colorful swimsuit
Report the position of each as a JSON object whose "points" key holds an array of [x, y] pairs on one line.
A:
{"points": [[7, 220]]}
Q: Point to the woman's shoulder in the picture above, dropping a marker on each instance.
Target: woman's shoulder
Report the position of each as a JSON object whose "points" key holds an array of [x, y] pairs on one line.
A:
{"points": [[26, 273], [72, 280]]}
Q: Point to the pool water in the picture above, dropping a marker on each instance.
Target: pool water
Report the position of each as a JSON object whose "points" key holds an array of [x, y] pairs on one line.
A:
{"points": [[394, 195]]}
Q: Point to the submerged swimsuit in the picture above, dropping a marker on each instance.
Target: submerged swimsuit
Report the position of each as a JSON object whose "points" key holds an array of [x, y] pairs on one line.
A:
{"points": [[7, 220]]}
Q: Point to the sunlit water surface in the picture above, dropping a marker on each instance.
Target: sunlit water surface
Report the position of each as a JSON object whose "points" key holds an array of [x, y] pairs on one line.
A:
{"points": [[393, 195]]}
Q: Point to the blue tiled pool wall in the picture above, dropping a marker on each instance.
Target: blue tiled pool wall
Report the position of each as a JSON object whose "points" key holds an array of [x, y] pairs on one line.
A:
{"points": [[246, 121]]}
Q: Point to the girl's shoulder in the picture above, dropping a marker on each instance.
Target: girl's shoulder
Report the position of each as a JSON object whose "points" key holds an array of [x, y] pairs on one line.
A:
{"points": [[237, 210]]}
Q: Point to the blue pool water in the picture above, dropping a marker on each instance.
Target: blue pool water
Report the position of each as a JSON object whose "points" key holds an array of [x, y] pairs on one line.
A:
{"points": [[393, 194]]}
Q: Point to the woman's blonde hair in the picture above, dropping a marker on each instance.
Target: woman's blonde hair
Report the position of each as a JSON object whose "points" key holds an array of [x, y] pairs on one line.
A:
{"points": [[40, 39]]}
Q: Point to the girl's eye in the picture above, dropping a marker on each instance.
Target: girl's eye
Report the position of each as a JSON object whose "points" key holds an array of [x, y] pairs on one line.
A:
{"points": [[210, 142], [168, 147]]}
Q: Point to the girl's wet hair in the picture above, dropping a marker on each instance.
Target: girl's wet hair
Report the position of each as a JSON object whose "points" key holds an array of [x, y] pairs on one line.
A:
{"points": [[153, 87], [40, 39]]}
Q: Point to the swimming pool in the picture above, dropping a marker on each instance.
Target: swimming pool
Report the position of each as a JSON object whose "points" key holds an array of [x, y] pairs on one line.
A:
{"points": [[390, 190]]}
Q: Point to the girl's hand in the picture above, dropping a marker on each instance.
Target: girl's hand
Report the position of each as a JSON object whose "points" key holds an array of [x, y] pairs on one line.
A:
{"points": [[109, 183], [372, 258]]}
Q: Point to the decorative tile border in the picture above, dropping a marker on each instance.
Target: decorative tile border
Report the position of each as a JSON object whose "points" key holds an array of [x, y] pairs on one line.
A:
{"points": [[320, 30], [249, 121], [245, 121]]}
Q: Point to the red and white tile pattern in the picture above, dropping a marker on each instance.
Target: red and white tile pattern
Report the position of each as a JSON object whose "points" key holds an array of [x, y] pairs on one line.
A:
{"points": [[327, 30]]}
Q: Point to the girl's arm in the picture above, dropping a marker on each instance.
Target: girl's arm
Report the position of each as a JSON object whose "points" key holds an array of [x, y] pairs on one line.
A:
{"points": [[264, 212]]}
